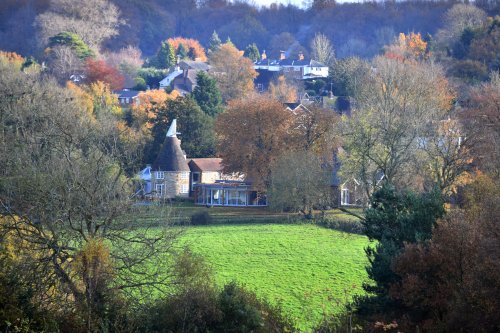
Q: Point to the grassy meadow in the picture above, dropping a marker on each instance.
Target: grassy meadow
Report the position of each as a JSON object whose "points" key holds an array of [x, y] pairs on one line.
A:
{"points": [[307, 269]]}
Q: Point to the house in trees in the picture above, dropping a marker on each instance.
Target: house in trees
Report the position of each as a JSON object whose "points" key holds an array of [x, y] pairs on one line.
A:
{"points": [[170, 171], [183, 77], [173, 175], [299, 69], [127, 96]]}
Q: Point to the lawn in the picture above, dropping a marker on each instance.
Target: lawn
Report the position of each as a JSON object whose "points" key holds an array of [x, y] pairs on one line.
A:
{"points": [[305, 268]]}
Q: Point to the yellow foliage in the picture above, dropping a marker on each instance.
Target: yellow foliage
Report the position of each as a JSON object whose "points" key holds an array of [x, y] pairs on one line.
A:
{"points": [[12, 58], [149, 101]]}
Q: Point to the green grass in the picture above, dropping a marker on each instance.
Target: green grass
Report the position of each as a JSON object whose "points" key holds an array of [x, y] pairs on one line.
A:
{"points": [[304, 268]]}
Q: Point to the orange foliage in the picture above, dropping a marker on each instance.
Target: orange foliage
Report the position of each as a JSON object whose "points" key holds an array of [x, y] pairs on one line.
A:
{"points": [[283, 91], [252, 133], [198, 50], [99, 70], [149, 102], [408, 47], [12, 58]]}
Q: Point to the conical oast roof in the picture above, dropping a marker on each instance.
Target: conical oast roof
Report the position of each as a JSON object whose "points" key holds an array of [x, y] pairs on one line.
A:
{"points": [[171, 157]]}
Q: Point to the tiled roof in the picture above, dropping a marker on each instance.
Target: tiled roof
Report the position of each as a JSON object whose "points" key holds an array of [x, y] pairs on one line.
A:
{"points": [[170, 157], [289, 62], [198, 65], [206, 164], [126, 93]]}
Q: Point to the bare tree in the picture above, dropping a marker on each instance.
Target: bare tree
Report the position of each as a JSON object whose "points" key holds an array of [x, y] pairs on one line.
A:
{"points": [[322, 49], [64, 197], [457, 19], [402, 107], [63, 62], [93, 20], [300, 181]]}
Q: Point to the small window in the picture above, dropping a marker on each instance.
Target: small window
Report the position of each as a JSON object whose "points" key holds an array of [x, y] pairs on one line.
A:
{"points": [[159, 189], [185, 175], [196, 177], [345, 197], [184, 188], [160, 175]]}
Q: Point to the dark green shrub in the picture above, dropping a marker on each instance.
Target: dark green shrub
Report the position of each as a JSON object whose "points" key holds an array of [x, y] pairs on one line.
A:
{"points": [[244, 312], [201, 218]]}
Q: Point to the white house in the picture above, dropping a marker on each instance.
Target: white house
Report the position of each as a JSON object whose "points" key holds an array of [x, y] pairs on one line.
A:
{"points": [[299, 68], [167, 81]]}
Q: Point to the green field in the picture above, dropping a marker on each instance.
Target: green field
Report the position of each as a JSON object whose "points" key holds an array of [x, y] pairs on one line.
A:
{"points": [[305, 268]]}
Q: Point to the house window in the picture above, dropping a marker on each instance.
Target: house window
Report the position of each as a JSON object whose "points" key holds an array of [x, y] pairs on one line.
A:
{"points": [[184, 188], [196, 177], [185, 175], [345, 197], [159, 188], [160, 174]]}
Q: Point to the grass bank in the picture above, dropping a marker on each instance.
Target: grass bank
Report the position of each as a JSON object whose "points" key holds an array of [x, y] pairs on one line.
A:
{"points": [[305, 268]]}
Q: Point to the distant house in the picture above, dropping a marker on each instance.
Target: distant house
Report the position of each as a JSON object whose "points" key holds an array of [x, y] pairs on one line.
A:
{"points": [[300, 68], [228, 193], [173, 175], [205, 170], [167, 81], [77, 78], [127, 96], [170, 171], [183, 77]]}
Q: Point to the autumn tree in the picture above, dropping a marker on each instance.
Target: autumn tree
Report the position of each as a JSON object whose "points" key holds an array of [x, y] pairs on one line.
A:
{"points": [[11, 59], [408, 47], [128, 61], [449, 283], [479, 119], [322, 49], [251, 134], [94, 21], [99, 70], [233, 72], [207, 95], [283, 91], [149, 103], [197, 53]]}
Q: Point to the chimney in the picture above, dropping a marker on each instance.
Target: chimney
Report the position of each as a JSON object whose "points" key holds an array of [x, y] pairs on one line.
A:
{"points": [[263, 56], [301, 55], [282, 55]]}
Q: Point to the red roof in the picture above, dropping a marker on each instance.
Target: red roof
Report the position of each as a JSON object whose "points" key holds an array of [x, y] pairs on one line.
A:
{"points": [[206, 164]]}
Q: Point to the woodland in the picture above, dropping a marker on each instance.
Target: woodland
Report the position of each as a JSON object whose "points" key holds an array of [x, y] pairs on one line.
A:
{"points": [[410, 113]]}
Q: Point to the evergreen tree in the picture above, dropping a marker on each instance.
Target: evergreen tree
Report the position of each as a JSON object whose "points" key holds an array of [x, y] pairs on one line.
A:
{"points": [[182, 52], [73, 41], [252, 52], [214, 43], [196, 128], [229, 42], [207, 94], [393, 220], [166, 56], [191, 54]]}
